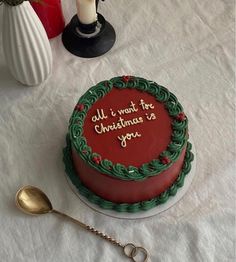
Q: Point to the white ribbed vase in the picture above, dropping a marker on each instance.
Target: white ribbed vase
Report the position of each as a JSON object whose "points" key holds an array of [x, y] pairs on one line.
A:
{"points": [[26, 46]]}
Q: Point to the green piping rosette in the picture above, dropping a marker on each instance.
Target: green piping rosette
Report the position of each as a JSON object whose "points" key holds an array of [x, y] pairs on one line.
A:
{"points": [[179, 135], [125, 207]]}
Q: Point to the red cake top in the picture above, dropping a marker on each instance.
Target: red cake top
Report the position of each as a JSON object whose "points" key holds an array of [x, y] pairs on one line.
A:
{"points": [[129, 127]]}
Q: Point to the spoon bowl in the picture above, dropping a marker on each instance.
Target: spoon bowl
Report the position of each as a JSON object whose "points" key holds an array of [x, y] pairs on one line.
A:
{"points": [[33, 201]]}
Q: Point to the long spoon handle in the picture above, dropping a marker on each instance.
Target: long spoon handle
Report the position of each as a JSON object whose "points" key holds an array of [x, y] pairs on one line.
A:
{"points": [[89, 228], [130, 250]]}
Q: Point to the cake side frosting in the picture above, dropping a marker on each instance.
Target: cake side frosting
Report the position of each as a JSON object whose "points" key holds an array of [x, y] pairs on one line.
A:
{"points": [[162, 161], [126, 191], [126, 207]]}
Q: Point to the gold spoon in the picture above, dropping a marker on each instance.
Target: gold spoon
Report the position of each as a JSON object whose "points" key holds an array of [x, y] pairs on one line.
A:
{"points": [[31, 200]]}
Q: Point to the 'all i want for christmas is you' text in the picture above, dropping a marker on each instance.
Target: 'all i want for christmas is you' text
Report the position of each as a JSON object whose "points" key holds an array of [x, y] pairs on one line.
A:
{"points": [[121, 122]]}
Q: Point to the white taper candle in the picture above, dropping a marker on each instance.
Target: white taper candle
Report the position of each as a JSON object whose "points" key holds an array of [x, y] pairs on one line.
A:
{"points": [[86, 11]]}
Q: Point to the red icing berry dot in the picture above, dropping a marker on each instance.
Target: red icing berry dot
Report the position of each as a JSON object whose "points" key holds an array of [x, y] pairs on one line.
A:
{"points": [[165, 160], [79, 107], [126, 79], [84, 152], [97, 159], [181, 116]]}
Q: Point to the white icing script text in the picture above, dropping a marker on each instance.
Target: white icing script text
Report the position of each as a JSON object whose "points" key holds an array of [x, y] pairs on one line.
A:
{"points": [[121, 121], [128, 136]]}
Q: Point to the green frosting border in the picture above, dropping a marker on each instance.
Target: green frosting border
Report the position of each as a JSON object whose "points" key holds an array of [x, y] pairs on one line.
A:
{"points": [[125, 207], [179, 129]]}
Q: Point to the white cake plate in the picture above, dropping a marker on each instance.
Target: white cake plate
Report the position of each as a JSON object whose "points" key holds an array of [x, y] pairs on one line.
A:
{"points": [[152, 212]]}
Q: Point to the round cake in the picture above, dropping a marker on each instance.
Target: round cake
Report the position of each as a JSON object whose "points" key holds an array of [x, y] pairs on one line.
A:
{"points": [[127, 145]]}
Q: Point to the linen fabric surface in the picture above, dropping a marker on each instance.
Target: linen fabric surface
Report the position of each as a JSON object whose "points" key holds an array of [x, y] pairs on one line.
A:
{"points": [[187, 46]]}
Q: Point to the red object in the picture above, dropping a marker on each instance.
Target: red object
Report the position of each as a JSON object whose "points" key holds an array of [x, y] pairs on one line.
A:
{"points": [[165, 160], [181, 117], [79, 107], [51, 16], [97, 159], [154, 139], [126, 78]]}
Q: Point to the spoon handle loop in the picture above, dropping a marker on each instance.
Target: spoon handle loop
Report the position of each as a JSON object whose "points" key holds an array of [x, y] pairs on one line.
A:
{"points": [[132, 252]]}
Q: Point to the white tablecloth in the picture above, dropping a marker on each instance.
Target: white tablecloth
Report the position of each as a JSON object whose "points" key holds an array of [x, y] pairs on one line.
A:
{"points": [[187, 46]]}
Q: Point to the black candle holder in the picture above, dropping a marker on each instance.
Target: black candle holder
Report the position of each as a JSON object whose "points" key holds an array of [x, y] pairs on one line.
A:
{"points": [[88, 40]]}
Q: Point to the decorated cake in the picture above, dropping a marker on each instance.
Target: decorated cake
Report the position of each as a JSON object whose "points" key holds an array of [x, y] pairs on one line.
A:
{"points": [[127, 145]]}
